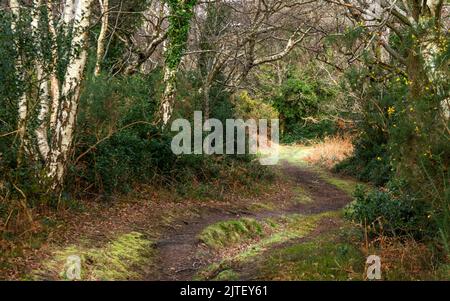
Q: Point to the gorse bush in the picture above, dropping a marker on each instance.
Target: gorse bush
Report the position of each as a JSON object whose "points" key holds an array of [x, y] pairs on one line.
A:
{"points": [[402, 137], [248, 107], [371, 161], [391, 211]]}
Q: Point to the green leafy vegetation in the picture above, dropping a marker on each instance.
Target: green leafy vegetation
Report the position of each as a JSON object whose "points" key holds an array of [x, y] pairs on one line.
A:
{"points": [[182, 12], [300, 101], [389, 212]]}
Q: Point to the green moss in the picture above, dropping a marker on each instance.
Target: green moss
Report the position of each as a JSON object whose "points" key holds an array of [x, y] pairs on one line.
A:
{"points": [[301, 196], [346, 185], [286, 228], [276, 231], [121, 259], [227, 233], [321, 259], [227, 275], [261, 207]]}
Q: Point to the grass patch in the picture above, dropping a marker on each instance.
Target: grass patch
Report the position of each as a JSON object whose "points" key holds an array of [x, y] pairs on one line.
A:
{"points": [[321, 259], [121, 259], [227, 275], [284, 229], [340, 255], [275, 231], [227, 233], [301, 196], [404, 259], [346, 185], [294, 154], [261, 207]]}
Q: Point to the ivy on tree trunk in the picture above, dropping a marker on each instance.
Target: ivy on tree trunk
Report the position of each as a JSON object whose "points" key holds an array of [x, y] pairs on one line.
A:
{"points": [[180, 15]]}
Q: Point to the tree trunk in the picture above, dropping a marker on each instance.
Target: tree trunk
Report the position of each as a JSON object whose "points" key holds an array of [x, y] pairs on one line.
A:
{"points": [[102, 37], [206, 105], [181, 12], [168, 98], [66, 117], [54, 81]]}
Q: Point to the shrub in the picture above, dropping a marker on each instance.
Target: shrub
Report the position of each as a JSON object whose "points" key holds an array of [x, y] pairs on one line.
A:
{"points": [[369, 163], [118, 146], [308, 132], [301, 102], [391, 211], [210, 176], [402, 137], [116, 143], [247, 107]]}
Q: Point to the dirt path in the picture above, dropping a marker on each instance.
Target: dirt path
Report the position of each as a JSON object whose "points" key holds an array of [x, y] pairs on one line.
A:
{"points": [[181, 254]]}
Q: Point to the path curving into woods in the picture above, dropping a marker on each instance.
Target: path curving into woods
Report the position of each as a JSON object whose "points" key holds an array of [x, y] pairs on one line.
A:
{"points": [[181, 254]]}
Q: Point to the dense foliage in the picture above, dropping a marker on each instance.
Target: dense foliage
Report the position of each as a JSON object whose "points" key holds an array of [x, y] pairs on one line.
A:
{"points": [[402, 138]]}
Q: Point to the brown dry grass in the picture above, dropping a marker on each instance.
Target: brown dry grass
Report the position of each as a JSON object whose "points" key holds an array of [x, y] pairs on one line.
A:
{"points": [[405, 259], [331, 151]]}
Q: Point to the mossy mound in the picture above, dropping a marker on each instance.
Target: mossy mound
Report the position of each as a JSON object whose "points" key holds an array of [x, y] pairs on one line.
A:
{"points": [[227, 233], [123, 258]]}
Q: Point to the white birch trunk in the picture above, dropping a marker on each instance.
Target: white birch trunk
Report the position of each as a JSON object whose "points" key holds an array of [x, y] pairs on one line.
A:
{"points": [[69, 12], [168, 97], [43, 100], [65, 123], [102, 37], [41, 130], [54, 82]]}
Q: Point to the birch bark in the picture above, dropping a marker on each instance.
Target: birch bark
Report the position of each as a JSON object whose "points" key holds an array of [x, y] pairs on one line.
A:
{"points": [[66, 117], [42, 93], [54, 81], [102, 37]]}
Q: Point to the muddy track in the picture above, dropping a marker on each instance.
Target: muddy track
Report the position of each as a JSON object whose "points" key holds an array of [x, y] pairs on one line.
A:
{"points": [[180, 253]]}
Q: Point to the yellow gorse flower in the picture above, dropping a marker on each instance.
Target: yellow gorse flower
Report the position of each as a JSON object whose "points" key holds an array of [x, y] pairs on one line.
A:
{"points": [[391, 111]]}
